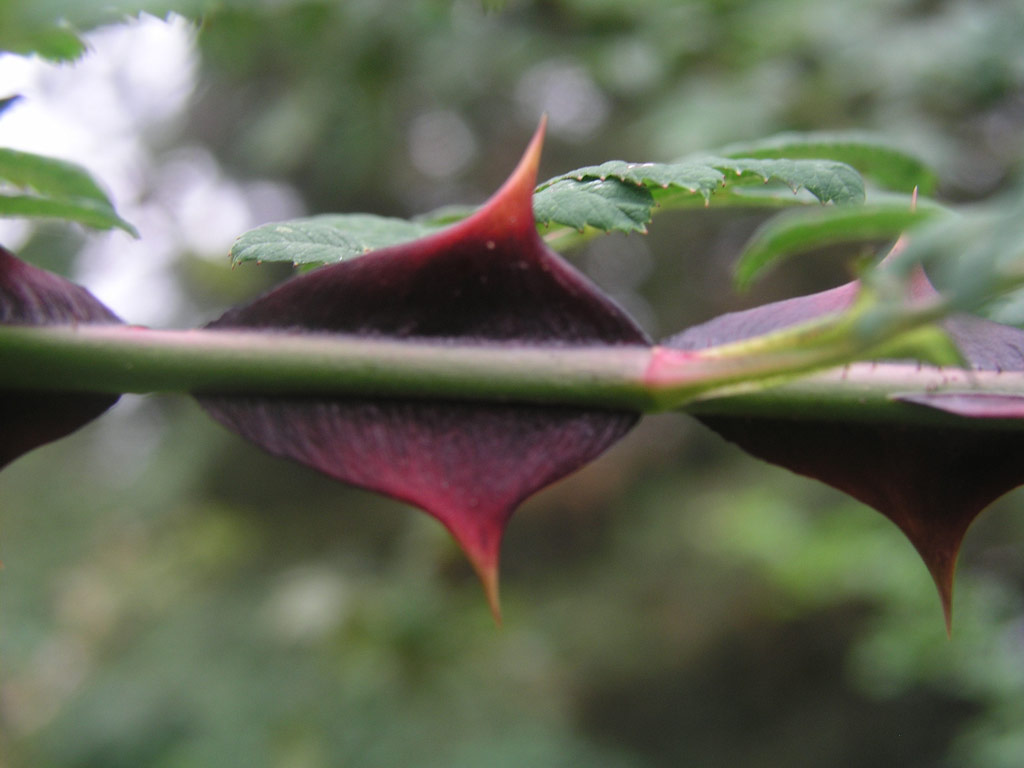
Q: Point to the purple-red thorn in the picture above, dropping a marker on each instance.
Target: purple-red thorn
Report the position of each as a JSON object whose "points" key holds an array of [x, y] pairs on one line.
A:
{"points": [[930, 480], [33, 296], [487, 279]]}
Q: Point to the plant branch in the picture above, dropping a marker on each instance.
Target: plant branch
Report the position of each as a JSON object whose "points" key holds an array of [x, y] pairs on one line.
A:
{"points": [[116, 359]]}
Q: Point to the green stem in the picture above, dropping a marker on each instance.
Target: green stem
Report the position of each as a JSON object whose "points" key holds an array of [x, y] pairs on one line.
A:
{"points": [[115, 359], [869, 391]]}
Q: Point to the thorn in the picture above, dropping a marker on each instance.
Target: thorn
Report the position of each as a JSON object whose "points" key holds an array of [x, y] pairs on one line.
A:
{"points": [[513, 202], [482, 551], [897, 248], [941, 565], [943, 576], [489, 579]]}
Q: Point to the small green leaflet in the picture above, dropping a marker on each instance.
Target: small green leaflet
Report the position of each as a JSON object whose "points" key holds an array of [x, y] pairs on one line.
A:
{"points": [[874, 156], [48, 176], [828, 180], [325, 239], [87, 212], [44, 187], [694, 177], [609, 205], [617, 196], [708, 175], [330, 238]]}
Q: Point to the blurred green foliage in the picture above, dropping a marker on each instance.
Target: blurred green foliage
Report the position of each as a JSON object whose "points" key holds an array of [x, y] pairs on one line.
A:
{"points": [[172, 597]]}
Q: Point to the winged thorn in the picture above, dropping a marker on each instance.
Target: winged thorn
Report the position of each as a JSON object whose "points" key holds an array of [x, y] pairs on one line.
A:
{"points": [[488, 279], [931, 480], [33, 296]]}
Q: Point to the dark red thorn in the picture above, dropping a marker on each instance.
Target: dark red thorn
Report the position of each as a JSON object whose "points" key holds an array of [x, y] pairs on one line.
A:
{"points": [[488, 279], [931, 480], [32, 296]]}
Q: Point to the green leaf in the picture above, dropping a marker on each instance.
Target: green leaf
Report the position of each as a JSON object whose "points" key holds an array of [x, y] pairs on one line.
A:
{"points": [[800, 230], [615, 196], [37, 186], [610, 205], [55, 43], [873, 156], [704, 175], [325, 239], [30, 27], [827, 180], [620, 196], [694, 177], [48, 176], [86, 212]]}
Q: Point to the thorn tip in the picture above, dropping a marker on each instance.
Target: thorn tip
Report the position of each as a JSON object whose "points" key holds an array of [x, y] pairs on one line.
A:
{"points": [[943, 571], [489, 580], [484, 559]]}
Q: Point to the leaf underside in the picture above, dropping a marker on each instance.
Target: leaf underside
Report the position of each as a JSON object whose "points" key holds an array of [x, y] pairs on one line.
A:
{"points": [[44, 187]]}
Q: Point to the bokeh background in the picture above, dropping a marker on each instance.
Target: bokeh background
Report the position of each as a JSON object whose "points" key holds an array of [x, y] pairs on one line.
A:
{"points": [[173, 597]]}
